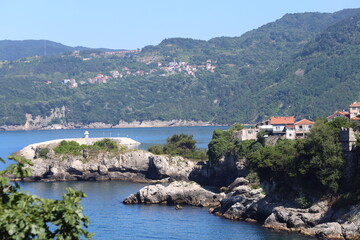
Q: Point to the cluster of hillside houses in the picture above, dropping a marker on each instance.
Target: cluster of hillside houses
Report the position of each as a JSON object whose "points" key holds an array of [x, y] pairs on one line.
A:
{"points": [[286, 127]]}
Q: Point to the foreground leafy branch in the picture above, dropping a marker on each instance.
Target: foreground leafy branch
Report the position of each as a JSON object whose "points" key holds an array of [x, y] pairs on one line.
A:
{"points": [[26, 216]]}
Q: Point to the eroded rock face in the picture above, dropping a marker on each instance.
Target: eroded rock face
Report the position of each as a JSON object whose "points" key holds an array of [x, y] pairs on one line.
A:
{"points": [[179, 192], [330, 230], [242, 202], [134, 165], [319, 220], [295, 218], [221, 174], [240, 196]]}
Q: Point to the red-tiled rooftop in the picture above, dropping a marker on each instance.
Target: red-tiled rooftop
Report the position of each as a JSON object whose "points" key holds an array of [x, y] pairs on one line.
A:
{"points": [[282, 120], [355, 104], [304, 122], [345, 114]]}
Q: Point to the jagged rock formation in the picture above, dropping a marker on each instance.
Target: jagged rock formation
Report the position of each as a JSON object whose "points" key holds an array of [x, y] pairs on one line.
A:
{"points": [[178, 192], [240, 196], [221, 174], [136, 165], [242, 202]]}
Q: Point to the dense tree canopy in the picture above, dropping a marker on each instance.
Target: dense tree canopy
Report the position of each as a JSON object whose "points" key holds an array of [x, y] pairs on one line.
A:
{"points": [[311, 165], [181, 145]]}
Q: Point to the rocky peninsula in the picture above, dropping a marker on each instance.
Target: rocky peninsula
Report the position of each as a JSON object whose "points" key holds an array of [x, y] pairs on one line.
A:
{"points": [[232, 194], [90, 164]]}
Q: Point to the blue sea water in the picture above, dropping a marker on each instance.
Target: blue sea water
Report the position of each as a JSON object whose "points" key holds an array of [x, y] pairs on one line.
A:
{"points": [[110, 219]]}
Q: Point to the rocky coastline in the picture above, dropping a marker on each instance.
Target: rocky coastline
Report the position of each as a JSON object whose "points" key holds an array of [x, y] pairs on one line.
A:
{"points": [[182, 183], [43, 124]]}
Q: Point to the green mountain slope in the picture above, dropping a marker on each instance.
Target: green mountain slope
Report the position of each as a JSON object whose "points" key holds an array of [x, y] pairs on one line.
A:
{"points": [[323, 77], [284, 67]]}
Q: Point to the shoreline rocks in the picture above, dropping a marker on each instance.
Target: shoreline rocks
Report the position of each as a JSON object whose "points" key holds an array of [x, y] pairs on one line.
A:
{"points": [[241, 201], [179, 192]]}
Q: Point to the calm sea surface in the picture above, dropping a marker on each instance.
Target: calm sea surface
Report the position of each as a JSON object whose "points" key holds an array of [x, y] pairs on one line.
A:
{"points": [[110, 219]]}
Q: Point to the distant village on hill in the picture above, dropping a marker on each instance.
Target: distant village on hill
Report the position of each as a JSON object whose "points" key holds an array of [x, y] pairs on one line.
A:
{"points": [[163, 69]]}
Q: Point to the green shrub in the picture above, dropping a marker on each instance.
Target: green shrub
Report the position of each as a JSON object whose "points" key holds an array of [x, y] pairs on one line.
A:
{"points": [[74, 148], [236, 127], [253, 177], [303, 202], [107, 145], [68, 147], [220, 144], [156, 149], [182, 145], [43, 152]]}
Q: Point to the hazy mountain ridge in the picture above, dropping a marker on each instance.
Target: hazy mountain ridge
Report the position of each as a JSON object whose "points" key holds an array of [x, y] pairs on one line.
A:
{"points": [[11, 50]]}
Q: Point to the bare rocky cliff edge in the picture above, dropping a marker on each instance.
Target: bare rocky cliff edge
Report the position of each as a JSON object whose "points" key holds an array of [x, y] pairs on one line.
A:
{"points": [[56, 121], [179, 181]]}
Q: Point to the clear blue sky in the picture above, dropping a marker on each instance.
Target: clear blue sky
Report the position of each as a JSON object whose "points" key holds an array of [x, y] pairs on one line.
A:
{"points": [[134, 24]]}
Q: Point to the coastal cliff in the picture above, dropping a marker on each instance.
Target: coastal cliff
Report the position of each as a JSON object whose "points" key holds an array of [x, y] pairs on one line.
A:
{"points": [[321, 219], [89, 164]]}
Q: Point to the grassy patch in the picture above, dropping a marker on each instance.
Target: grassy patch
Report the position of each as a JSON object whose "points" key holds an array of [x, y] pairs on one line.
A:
{"points": [[75, 149]]}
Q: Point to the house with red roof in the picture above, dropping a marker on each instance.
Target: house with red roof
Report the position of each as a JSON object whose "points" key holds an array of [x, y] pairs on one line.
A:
{"points": [[303, 127], [286, 127], [341, 114], [353, 114], [279, 124], [354, 110]]}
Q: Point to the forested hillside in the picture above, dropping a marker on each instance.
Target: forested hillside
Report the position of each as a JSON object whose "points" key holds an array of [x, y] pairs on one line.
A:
{"points": [[303, 64], [323, 77]]}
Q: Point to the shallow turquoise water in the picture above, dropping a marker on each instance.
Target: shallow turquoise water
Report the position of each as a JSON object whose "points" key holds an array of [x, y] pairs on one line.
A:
{"points": [[110, 219]]}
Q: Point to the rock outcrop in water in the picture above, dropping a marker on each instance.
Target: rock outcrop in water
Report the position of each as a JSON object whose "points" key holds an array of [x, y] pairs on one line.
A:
{"points": [[135, 165], [179, 192]]}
